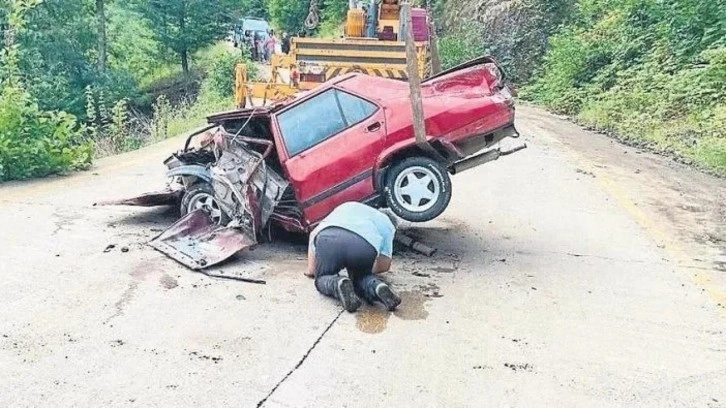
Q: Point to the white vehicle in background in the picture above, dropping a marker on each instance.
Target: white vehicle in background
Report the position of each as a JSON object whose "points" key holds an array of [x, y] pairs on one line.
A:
{"points": [[256, 26]]}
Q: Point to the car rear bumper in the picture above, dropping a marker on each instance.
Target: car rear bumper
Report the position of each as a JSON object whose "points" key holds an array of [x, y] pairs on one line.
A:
{"points": [[482, 158], [477, 143]]}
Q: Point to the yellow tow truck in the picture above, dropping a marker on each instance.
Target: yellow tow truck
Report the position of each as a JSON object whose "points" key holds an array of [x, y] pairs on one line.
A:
{"points": [[373, 44]]}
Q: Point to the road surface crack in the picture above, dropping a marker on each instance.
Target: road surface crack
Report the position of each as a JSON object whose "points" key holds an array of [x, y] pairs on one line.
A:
{"points": [[302, 360]]}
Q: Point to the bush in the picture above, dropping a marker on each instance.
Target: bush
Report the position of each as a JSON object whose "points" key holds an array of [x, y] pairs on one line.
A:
{"points": [[653, 73], [34, 143], [559, 86], [219, 66], [455, 49]]}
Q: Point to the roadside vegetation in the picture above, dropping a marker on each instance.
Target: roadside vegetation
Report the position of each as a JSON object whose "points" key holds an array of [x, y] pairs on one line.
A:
{"points": [[87, 78], [651, 73]]}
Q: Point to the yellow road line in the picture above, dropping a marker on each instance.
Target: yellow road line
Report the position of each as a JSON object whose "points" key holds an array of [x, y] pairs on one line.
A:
{"points": [[702, 279]]}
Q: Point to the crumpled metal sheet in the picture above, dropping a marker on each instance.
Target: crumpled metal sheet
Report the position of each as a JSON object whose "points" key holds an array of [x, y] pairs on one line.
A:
{"points": [[197, 242], [240, 175], [152, 199]]}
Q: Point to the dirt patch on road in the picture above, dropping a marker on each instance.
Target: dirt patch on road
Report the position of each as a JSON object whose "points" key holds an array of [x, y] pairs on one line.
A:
{"points": [[681, 208], [167, 282]]}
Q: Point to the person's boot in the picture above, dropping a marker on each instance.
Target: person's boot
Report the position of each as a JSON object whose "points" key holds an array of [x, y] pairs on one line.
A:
{"points": [[363, 294], [387, 297], [346, 295]]}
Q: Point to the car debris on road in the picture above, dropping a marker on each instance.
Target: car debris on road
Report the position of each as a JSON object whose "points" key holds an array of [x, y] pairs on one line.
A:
{"points": [[351, 139]]}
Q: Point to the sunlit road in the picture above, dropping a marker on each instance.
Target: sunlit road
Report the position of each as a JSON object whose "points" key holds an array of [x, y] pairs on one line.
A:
{"points": [[577, 272]]}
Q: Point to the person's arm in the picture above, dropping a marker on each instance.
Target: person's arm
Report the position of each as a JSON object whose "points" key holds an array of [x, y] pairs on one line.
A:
{"points": [[385, 255], [382, 264], [310, 272]]}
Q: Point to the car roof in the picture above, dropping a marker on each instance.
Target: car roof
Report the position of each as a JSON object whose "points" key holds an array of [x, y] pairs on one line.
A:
{"points": [[372, 87], [375, 88]]}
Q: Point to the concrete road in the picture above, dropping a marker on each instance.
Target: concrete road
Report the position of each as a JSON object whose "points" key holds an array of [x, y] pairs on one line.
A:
{"points": [[575, 273]]}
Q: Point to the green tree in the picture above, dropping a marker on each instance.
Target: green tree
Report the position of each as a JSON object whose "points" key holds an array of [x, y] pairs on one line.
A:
{"points": [[58, 51], [102, 42], [33, 142], [254, 8], [185, 26], [288, 15], [334, 11]]}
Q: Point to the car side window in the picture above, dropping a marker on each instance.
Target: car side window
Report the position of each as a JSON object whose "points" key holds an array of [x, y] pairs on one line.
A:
{"points": [[355, 110], [321, 118], [311, 122]]}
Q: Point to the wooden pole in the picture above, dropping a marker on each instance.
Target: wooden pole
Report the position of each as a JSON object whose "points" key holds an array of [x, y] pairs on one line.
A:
{"points": [[414, 76], [434, 41]]}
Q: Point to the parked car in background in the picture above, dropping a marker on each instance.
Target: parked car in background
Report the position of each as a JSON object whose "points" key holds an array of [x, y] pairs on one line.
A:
{"points": [[253, 25]]}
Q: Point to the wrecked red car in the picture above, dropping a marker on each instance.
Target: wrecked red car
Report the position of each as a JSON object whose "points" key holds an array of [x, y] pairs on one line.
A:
{"points": [[351, 139]]}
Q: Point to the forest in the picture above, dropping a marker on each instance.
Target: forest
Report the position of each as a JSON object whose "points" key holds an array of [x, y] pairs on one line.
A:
{"points": [[87, 78]]}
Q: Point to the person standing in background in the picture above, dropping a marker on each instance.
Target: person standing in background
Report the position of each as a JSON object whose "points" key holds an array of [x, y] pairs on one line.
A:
{"points": [[285, 43], [259, 54], [249, 43], [270, 45]]}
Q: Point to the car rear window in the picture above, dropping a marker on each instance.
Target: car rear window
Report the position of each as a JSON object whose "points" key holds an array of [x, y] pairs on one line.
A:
{"points": [[320, 118]]}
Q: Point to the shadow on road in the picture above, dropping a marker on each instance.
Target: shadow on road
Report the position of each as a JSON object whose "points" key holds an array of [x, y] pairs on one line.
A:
{"points": [[158, 217]]}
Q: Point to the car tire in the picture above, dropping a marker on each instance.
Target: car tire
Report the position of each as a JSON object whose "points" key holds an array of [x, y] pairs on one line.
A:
{"points": [[201, 197], [418, 189]]}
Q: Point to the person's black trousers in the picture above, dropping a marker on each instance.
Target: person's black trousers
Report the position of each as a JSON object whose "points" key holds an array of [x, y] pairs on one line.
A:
{"points": [[337, 249]]}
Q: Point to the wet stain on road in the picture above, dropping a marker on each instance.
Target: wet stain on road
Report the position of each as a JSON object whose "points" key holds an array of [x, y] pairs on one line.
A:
{"points": [[413, 306], [144, 269], [374, 320]]}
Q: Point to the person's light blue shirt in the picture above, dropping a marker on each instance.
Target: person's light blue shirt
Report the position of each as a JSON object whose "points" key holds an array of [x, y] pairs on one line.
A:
{"points": [[367, 222]]}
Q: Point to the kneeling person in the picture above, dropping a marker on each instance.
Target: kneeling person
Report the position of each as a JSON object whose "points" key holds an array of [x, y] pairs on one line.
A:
{"points": [[357, 238]]}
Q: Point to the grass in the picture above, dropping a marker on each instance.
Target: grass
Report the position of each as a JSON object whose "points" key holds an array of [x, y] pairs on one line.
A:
{"points": [[696, 140], [178, 104], [159, 74], [193, 115]]}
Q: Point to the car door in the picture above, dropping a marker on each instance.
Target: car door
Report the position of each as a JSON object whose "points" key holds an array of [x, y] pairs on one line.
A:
{"points": [[332, 141]]}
